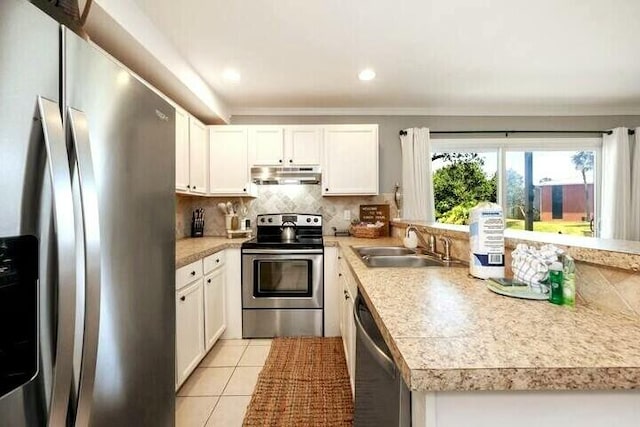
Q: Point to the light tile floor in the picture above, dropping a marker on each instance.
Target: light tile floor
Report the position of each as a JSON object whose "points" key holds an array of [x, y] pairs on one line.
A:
{"points": [[218, 391]]}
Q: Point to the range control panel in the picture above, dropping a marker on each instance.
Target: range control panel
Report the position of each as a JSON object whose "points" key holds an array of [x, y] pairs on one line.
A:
{"points": [[297, 219], [18, 311]]}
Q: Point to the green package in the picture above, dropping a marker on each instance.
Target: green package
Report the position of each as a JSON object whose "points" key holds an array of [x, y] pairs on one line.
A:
{"points": [[569, 281]]}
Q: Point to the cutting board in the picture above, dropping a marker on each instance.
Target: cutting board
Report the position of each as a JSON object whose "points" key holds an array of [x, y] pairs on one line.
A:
{"points": [[373, 213]]}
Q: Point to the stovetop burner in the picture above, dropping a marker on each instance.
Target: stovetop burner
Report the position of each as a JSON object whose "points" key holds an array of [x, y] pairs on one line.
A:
{"points": [[308, 232]]}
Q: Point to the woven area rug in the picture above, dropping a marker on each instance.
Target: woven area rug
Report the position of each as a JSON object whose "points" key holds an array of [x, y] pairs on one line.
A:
{"points": [[304, 382]]}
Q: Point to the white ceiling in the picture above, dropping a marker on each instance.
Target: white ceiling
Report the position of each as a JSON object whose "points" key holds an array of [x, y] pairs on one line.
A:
{"points": [[430, 56]]}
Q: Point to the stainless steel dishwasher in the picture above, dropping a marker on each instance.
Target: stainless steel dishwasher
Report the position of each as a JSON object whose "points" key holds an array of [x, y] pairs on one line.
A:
{"points": [[382, 397]]}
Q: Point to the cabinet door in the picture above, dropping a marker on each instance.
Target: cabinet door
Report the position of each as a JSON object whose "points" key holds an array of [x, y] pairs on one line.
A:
{"points": [[182, 150], [303, 145], [189, 329], [214, 307], [199, 154], [332, 294], [229, 166], [351, 345], [350, 163], [345, 321], [233, 294], [266, 145]]}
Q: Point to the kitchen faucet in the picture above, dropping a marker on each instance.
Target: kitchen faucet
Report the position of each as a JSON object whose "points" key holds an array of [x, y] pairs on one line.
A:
{"points": [[428, 247], [447, 248]]}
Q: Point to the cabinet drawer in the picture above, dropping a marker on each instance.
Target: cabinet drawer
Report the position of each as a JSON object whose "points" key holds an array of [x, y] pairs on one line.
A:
{"points": [[213, 261], [188, 273]]}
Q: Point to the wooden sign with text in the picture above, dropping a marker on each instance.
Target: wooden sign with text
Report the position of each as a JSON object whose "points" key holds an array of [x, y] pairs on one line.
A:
{"points": [[374, 213]]}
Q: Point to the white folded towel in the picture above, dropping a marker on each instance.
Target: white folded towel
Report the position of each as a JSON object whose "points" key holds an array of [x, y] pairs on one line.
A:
{"points": [[531, 265]]}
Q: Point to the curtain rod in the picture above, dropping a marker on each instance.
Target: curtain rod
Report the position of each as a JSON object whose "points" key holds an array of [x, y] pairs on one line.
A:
{"points": [[507, 132]]}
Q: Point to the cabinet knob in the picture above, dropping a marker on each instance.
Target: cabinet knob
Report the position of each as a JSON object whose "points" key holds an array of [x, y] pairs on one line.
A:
{"points": [[188, 186], [280, 160], [208, 280], [218, 260], [339, 274], [194, 187], [244, 189], [193, 273], [339, 257], [183, 298], [326, 189], [290, 160], [346, 296]]}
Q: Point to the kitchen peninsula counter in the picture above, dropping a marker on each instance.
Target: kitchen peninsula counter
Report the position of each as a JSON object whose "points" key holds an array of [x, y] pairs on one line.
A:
{"points": [[448, 332]]}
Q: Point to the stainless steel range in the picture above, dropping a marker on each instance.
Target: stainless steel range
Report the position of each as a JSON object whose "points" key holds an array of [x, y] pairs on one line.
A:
{"points": [[282, 277]]}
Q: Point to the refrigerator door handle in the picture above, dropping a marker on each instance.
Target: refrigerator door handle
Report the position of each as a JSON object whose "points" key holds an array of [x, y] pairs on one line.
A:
{"points": [[81, 147], [62, 202]]}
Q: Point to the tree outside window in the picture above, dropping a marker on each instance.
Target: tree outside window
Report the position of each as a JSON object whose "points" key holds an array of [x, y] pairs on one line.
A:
{"points": [[460, 181]]}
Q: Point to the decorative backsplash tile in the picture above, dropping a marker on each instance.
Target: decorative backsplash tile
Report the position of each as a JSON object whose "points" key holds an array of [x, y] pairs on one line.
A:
{"points": [[277, 199]]}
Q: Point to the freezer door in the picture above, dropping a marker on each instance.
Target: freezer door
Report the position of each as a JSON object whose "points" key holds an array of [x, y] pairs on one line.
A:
{"points": [[131, 132], [34, 178]]}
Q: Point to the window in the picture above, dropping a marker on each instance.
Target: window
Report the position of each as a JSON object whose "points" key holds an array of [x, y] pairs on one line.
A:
{"points": [[460, 181], [547, 185]]}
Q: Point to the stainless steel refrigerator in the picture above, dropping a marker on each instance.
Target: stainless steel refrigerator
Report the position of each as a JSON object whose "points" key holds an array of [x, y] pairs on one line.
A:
{"points": [[87, 246]]}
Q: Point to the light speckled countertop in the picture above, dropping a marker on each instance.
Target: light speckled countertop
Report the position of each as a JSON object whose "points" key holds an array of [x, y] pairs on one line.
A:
{"points": [[448, 332], [189, 250]]}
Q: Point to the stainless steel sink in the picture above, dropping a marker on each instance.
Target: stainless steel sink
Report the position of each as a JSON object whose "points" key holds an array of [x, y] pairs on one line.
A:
{"points": [[383, 250], [398, 256], [401, 261]]}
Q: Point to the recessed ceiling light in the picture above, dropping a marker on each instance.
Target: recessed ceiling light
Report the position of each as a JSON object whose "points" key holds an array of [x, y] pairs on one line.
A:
{"points": [[367, 74], [231, 75]]}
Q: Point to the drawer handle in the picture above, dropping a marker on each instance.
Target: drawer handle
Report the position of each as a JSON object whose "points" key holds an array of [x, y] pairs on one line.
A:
{"points": [[193, 273], [183, 298]]}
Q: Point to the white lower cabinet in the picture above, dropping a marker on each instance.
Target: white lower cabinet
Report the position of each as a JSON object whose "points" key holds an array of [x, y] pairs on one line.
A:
{"points": [[332, 293], [233, 294], [189, 329], [348, 291], [201, 308], [214, 302]]}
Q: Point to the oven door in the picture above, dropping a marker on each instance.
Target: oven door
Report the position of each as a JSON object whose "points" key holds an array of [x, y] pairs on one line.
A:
{"points": [[275, 278]]}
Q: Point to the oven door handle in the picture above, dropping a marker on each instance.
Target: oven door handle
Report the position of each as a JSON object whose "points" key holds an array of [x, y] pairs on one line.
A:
{"points": [[283, 251]]}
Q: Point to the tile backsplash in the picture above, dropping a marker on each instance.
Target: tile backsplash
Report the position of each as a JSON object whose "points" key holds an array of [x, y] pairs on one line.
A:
{"points": [[277, 199]]}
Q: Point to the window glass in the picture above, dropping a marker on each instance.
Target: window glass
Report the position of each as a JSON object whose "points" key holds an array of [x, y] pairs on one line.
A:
{"points": [[560, 186], [460, 181]]}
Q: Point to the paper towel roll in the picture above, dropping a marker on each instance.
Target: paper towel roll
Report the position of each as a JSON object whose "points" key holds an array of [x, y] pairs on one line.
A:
{"points": [[486, 241]]}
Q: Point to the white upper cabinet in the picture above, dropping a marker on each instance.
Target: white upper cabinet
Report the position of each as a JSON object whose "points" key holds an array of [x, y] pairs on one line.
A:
{"points": [[285, 145], [182, 150], [303, 145], [229, 162], [266, 145], [350, 161], [198, 155]]}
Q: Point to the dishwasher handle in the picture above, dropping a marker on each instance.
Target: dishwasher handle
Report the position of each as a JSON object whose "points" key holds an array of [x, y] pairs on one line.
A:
{"points": [[376, 352]]}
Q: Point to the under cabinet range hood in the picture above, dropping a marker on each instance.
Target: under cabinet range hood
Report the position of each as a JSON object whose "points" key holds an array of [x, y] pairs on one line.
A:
{"points": [[285, 175]]}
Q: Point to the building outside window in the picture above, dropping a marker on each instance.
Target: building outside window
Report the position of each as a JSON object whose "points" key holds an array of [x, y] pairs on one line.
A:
{"points": [[544, 184]]}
